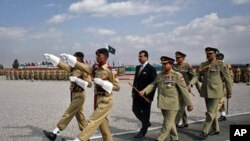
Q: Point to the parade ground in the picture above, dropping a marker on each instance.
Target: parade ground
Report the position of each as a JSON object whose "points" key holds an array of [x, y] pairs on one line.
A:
{"points": [[28, 107]]}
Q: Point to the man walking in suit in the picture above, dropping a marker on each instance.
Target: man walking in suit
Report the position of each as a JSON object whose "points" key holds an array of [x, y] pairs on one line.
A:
{"points": [[144, 75], [213, 72]]}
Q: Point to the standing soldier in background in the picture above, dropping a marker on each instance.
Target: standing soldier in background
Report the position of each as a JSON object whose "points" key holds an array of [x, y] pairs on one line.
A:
{"points": [[144, 75], [213, 72], [79, 82], [187, 71], [237, 74], [47, 74], [36, 74], [247, 74], [31, 74], [105, 83], [41, 74], [221, 106], [7, 72], [16, 76], [21, 74], [171, 87], [11, 74]]}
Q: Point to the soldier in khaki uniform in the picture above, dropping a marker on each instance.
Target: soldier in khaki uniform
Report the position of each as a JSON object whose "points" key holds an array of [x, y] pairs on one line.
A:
{"points": [[105, 82], [12, 74], [187, 71], [248, 74], [213, 72], [171, 87], [80, 80], [237, 74], [221, 106]]}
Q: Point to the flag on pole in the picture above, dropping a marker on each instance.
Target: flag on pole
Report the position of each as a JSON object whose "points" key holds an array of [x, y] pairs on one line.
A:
{"points": [[110, 49]]}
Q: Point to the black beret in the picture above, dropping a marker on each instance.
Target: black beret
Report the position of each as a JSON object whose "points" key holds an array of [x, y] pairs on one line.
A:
{"points": [[180, 54], [165, 59], [209, 49], [102, 51], [79, 54]]}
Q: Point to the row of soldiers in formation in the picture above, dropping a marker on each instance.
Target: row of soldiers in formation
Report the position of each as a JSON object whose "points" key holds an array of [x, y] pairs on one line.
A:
{"points": [[36, 74], [241, 73]]}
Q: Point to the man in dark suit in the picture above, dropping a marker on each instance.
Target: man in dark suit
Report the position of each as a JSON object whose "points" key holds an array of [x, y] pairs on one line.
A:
{"points": [[144, 75]]}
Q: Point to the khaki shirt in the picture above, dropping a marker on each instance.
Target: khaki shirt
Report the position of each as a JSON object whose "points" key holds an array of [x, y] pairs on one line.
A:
{"points": [[102, 72], [212, 75], [76, 72], [170, 88]]}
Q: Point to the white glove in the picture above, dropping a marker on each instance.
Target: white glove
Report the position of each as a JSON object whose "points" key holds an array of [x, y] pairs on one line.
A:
{"points": [[70, 59], [79, 82], [52, 58], [106, 85], [98, 81]]}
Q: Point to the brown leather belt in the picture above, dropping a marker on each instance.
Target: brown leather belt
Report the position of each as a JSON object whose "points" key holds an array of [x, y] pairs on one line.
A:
{"points": [[103, 94]]}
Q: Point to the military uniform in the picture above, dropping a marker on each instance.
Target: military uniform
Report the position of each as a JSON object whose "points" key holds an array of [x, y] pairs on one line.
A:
{"points": [[77, 99], [187, 71], [238, 74], [213, 73], [171, 87], [104, 101]]}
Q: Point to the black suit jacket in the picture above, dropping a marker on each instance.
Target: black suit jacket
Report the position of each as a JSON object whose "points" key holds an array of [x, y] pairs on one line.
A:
{"points": [[147, 76]]}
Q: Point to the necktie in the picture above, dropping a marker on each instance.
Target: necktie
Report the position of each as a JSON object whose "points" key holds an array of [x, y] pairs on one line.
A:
{"points": [[141, 68]]}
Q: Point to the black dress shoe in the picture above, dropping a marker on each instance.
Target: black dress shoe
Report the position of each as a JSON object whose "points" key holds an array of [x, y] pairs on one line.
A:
{"points": [[139, 135], [214, 133], [51, 136], [183, 126], [203, 135], [222, 118], [149, 124]]}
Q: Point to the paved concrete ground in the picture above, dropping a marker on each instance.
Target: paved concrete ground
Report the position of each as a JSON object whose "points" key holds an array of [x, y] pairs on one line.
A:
{"points": [[29, 107]]}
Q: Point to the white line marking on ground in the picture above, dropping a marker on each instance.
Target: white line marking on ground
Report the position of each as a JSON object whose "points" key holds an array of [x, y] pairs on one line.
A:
{"points": [[158, 127]]}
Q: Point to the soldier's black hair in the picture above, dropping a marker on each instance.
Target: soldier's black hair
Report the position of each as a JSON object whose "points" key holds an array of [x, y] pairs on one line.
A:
{"points": [[79, 54]]}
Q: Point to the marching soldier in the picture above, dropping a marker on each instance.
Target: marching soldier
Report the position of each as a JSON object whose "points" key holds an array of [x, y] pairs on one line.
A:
{"points": [[171, 87], [41, 74], [221, 106], [21, 74], [187, 71], [31, 74], [105, 82], [213, 73], [80, 80]]}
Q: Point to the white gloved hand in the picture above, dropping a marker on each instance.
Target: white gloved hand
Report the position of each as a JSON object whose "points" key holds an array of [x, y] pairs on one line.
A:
{"points": [[70, 59], [98, 81], [72, 78], [79, 82], [106, 85], [52, 58]]}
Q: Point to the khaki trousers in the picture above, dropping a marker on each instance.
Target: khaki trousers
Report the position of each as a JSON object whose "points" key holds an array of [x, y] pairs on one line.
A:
{"points": [[99, 119], [75, 109], [168, 126], [211, 115], [181, 114]]}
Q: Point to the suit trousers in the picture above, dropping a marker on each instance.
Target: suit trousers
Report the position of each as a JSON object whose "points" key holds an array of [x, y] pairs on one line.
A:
{"points": [[168, 126], [74, 109], [211, 115], [142, 109], [99, 119]]}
